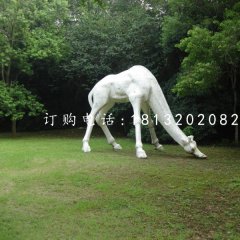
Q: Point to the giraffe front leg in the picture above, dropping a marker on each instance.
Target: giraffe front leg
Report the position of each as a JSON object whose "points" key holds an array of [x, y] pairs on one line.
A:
{"points": [[136, 103], [116, 146], [86, 148]]}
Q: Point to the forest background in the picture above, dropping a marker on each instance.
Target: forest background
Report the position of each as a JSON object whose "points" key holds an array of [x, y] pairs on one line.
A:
{"points": [[54, 51]]}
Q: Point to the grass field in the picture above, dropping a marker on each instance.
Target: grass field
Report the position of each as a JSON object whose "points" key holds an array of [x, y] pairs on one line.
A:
{"points": [[49, 189]]}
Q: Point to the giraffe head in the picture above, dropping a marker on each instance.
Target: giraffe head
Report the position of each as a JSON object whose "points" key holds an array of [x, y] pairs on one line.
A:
{"points": [[190, 146]]}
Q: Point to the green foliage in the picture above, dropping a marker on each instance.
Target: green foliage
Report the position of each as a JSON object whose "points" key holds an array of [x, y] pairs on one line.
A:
{"points": [[46, 45], [16, 102], [107, 40], [64, 47], [227, 40], [112, 40], [188, 130], [211, 57], [29, 31], [5, 100], [181, 15], [208, 54], [173, 30]]}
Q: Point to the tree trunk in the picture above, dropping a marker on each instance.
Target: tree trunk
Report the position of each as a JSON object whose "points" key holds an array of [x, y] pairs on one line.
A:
{"points": [[3, 77], [14, 128], [236, 135], [8, 80], [234, 88]]}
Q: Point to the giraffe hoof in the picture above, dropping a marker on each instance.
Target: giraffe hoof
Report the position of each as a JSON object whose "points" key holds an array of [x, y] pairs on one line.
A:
{"points": [[86, 148], [141, 153], [159, 147], [117, 147]]}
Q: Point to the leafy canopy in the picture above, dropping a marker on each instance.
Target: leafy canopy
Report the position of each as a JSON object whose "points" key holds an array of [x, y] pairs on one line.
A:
{"points": [[29, 30], [209, 54], [16, 102]]}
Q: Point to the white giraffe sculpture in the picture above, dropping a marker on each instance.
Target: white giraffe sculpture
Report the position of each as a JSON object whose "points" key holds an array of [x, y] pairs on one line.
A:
{"points": [[138, 86]]}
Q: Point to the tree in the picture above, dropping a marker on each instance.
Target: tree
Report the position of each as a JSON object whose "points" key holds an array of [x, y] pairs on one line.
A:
{"points": [[227, 43], [29, 30], [118, 36], [180, 15], [109, 40], [210, 56], [16, 102], [199, 70]]}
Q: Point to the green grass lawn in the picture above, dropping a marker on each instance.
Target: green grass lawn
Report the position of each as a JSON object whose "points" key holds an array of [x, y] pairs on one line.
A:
{"points": [[49, 189]]}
